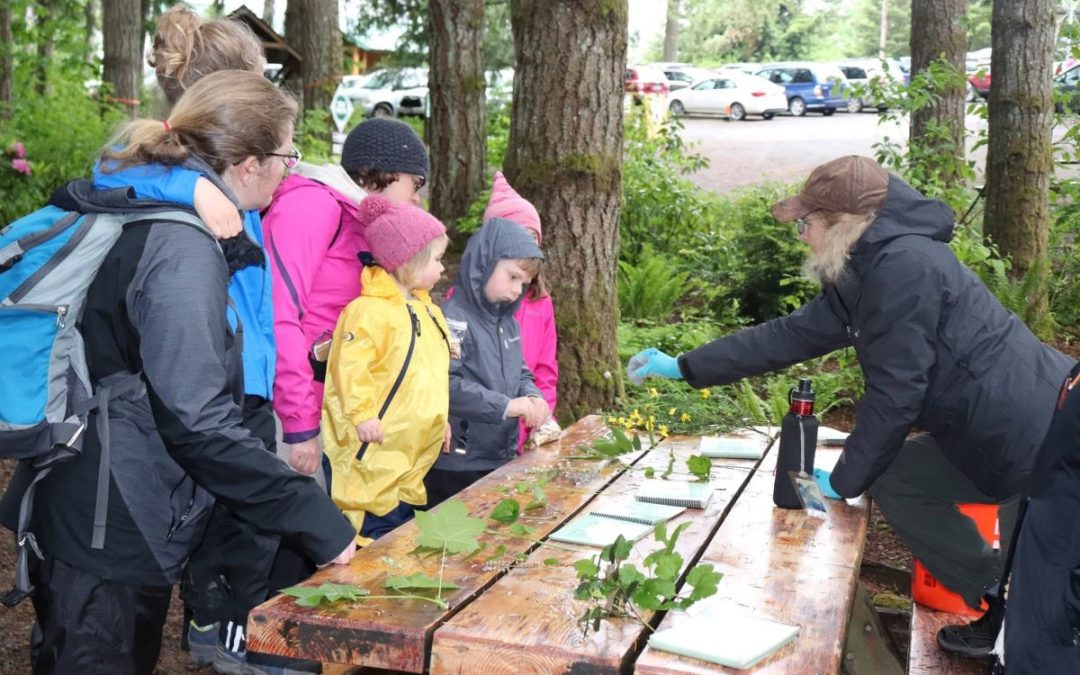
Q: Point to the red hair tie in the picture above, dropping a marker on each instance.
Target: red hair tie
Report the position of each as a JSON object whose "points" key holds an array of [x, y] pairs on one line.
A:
{"points": [[165, 123]]}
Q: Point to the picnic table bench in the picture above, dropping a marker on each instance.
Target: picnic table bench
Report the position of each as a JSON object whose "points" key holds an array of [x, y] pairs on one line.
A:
{"points": [[517, 614]]}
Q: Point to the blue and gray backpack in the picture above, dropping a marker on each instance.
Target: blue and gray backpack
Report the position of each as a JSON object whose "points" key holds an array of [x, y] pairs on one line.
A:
{"points": [[48, 260]]}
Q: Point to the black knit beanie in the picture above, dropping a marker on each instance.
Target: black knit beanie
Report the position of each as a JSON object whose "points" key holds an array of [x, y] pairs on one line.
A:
{"points": [[385, 145]]}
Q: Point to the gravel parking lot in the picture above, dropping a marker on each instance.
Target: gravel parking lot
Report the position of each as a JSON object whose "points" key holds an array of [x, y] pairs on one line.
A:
{"points": [[785, 148]]}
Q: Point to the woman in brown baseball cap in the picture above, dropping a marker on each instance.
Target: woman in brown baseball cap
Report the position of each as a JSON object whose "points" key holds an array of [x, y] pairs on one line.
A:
{"points": [[939, 354]]}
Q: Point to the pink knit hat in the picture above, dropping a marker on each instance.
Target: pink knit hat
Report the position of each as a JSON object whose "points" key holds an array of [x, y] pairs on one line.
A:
{"points": [[396, 232], [506, 203]]}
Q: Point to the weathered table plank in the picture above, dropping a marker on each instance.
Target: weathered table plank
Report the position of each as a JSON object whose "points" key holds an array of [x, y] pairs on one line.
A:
{"points": [[394, 633], [527, 622], [783, 565], [925, 656]]}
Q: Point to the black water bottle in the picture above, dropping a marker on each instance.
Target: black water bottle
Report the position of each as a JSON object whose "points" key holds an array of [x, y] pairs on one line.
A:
{"points": [[798, 439]]}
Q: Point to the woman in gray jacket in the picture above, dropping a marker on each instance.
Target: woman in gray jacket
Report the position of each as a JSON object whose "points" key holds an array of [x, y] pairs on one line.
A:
{"points": [[155, 323]]}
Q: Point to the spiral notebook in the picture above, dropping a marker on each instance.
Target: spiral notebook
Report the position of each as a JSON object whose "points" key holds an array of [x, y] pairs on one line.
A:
{"points": [[675, 493], [638, 512], [725, 634], [731, 448], [592, 530]]}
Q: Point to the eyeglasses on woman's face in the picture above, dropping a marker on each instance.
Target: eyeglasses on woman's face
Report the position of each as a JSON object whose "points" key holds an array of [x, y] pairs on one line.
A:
{"points": [[289, 159], [418, 182]]}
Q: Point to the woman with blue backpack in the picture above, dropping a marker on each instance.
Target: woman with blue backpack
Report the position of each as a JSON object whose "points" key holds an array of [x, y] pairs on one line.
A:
{"points": [[164, 435]]}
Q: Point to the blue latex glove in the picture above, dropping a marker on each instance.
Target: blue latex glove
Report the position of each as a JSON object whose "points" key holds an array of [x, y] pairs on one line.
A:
{"points": [[652, 361], [822, 477]]}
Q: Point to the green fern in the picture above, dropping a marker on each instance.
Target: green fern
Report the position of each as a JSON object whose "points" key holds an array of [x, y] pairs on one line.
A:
{"points": [[649, 290]]}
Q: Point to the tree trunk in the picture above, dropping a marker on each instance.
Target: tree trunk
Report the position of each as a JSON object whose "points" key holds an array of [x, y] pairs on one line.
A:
{"points": [[1018, 158], [939, 34], [456, 86], [45, 26], [90, 20], [268, 12], [671, 32], [311, 26], [122, 41], [6, 68], [565, 156]]}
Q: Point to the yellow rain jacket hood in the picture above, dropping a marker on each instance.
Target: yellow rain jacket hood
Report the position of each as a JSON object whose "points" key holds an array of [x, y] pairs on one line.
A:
{"points": [[370, 347]]}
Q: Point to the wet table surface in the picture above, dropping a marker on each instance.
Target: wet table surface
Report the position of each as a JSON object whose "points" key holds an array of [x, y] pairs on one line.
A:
{"points": [[514, 612]]}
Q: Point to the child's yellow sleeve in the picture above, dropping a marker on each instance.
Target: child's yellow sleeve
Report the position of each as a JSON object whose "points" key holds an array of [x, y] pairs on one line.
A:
{"points": [[354, 350]]}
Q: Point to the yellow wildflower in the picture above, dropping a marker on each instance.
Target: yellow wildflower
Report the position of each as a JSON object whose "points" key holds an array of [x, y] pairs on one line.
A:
{"points": [[612, 419], [654, 393], [663, 431], [684, 417], [671, 412], [705, 393]]}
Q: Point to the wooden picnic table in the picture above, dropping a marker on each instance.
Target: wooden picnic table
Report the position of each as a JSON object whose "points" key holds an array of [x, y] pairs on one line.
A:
{"points": [[517, 614]]}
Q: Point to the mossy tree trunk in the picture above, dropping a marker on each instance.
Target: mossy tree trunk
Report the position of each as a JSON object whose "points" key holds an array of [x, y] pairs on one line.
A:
{"points": [[939, 34], [122, 35], [456, 87], [311, 26], [1018, 158], [6, 67], [565, 156]]}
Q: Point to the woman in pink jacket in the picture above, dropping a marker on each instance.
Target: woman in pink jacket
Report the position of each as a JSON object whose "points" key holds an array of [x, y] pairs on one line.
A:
{"points": [[313, 237], [536, 315]]}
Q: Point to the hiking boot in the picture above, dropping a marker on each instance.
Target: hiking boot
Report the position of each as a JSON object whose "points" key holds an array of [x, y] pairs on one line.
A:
{"points": [[202, 643], [977, 638]]}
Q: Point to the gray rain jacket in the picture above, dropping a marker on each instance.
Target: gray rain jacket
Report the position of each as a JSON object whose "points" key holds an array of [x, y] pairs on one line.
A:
{"points": [[936, 349], [491, 370], [157, 308]]}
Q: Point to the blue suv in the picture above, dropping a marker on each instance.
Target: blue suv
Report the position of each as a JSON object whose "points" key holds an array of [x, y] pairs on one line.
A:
{"points": [[809, 86]]}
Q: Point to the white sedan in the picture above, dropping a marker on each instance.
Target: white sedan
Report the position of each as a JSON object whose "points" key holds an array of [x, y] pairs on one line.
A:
{"points": [[731, 94]]}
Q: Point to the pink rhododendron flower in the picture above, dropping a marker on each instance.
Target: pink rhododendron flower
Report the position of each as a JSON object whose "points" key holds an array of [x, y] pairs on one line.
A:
{"points": [[21, 165], [18, 150]]}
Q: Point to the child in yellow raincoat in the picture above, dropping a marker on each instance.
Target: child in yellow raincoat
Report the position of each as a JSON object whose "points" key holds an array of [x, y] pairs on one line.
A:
{"points": [[387, 383]]}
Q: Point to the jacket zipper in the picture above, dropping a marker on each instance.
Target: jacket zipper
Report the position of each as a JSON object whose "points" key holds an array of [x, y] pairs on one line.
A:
{"points": [[60, 311], [179, 523]]}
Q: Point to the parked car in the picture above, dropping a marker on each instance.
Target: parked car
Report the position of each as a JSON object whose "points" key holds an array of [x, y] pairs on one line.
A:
{"points": [[863, 73], [748, 68], [978, 82], [732, 94], [645, 80], [681, 77], [1068, 83], [390, 92], [809, 86], [641, 80], [351, 84]]}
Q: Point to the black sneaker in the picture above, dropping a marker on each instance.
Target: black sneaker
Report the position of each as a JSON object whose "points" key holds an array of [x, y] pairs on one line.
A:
{"points": [[977, 638]]}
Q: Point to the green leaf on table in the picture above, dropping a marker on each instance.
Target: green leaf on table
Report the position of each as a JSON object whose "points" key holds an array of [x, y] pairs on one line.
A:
{"points": [[586, 568], [667, 565], [700, 466], [449, 527], [704, 579], [314, 596], [521, 487], [650, 472], [506, 511], [551, 562], [539, 499], [418, 582], [519, 530]]}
